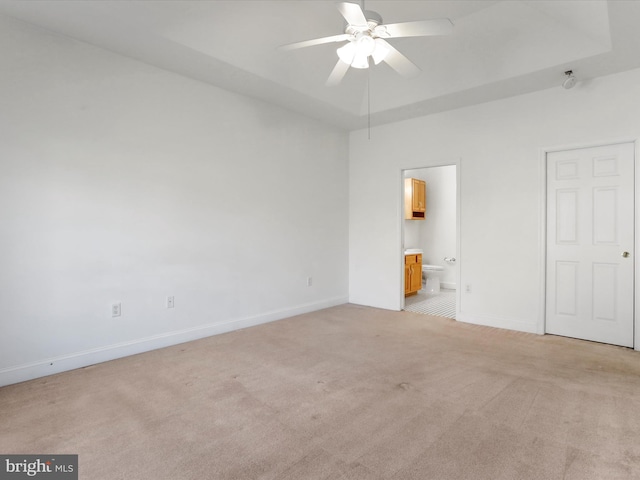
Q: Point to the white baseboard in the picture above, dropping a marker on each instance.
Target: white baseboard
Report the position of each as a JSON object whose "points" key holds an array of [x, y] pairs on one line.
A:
{"points": [[507, 323], [449, 285], [63, 363]]}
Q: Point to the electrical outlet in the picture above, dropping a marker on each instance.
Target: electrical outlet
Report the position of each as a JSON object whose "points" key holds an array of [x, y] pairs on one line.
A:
{"points": [[170, 302], [116, 309], [467, 288], [309, 281]]}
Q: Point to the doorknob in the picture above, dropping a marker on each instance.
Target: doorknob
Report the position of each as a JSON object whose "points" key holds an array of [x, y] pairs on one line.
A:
{"points": [[625, 254]]}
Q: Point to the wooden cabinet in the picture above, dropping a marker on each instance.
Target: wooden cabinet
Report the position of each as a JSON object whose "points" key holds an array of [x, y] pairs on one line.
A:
{"points": [[412, 273], [415, 199]]}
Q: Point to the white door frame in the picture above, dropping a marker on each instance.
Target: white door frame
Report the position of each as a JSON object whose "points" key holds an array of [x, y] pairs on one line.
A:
{"points": [[542, 237], [458, 165]]}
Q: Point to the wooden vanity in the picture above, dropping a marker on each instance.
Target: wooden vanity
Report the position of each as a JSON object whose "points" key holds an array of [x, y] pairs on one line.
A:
{"points": [[412, 273]]}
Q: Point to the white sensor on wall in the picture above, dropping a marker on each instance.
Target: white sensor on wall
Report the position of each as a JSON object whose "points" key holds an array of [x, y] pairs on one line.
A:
{"points": [[170, 302], [570, 81]]}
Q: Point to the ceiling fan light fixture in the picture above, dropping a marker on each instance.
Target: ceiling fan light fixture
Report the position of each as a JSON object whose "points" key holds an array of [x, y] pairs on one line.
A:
{"points": [[347, 52], [357, 52], [381, 51], [360, 61], [365, 45]]}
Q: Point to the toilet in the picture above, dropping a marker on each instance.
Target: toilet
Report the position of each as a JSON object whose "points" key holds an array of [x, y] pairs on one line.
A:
{"points": [[432, 274]]}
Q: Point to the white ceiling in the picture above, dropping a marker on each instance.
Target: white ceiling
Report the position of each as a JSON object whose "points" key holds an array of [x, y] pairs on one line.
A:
{"points": [[499, 48]]}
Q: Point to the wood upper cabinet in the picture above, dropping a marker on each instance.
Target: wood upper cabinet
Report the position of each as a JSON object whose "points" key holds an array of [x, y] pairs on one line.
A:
{"points": [[415, 199], [412, 273]]}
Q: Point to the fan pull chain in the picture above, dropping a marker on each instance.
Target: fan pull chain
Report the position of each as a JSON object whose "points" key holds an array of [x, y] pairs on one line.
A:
{"points": [[369, 101]]}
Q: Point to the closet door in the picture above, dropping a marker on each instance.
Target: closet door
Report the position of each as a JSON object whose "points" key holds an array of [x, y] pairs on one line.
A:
{"points": [[590, 240]]}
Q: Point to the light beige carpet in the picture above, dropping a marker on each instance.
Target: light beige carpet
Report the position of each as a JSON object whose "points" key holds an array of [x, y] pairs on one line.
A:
{"points": [[348, 392]]}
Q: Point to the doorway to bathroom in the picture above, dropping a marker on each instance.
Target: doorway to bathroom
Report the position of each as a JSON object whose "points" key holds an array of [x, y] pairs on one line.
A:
{"points": [[430, 240]]}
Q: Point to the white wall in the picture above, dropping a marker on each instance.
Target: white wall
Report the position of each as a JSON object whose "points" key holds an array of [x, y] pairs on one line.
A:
{"points": [[123, 182], [436, 235], [499, 146]]}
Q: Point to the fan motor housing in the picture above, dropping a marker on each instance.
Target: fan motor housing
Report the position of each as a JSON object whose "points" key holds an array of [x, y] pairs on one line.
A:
{"points": [[373, 20]]}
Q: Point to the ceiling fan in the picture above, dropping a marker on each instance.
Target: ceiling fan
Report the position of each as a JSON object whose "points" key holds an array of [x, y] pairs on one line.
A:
{"points": [[366, 36]]}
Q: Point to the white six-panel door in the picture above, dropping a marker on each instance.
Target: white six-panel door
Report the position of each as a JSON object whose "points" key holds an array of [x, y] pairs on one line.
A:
{"points": [[590, 239]]}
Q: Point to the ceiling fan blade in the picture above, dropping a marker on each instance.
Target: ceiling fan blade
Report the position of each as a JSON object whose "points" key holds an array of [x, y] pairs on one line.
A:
{"points": [[337, 74], [352, 13], [315, 41], [440, 26], [399, 62]]}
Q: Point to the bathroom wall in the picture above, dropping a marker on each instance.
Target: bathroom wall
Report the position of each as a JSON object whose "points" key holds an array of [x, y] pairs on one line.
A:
{"points": [[412, 231], [436, 235], [126, 183]]}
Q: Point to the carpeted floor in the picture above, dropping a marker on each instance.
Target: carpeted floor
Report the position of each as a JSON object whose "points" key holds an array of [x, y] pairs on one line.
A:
{"points": [[344, 393]]}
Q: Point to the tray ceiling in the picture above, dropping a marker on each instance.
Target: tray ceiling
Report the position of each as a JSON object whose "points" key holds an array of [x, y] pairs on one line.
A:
{"points": [[498, 48]]}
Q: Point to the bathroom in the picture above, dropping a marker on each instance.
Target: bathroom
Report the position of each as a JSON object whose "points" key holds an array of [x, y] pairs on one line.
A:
{"points": [[435, 237]]}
